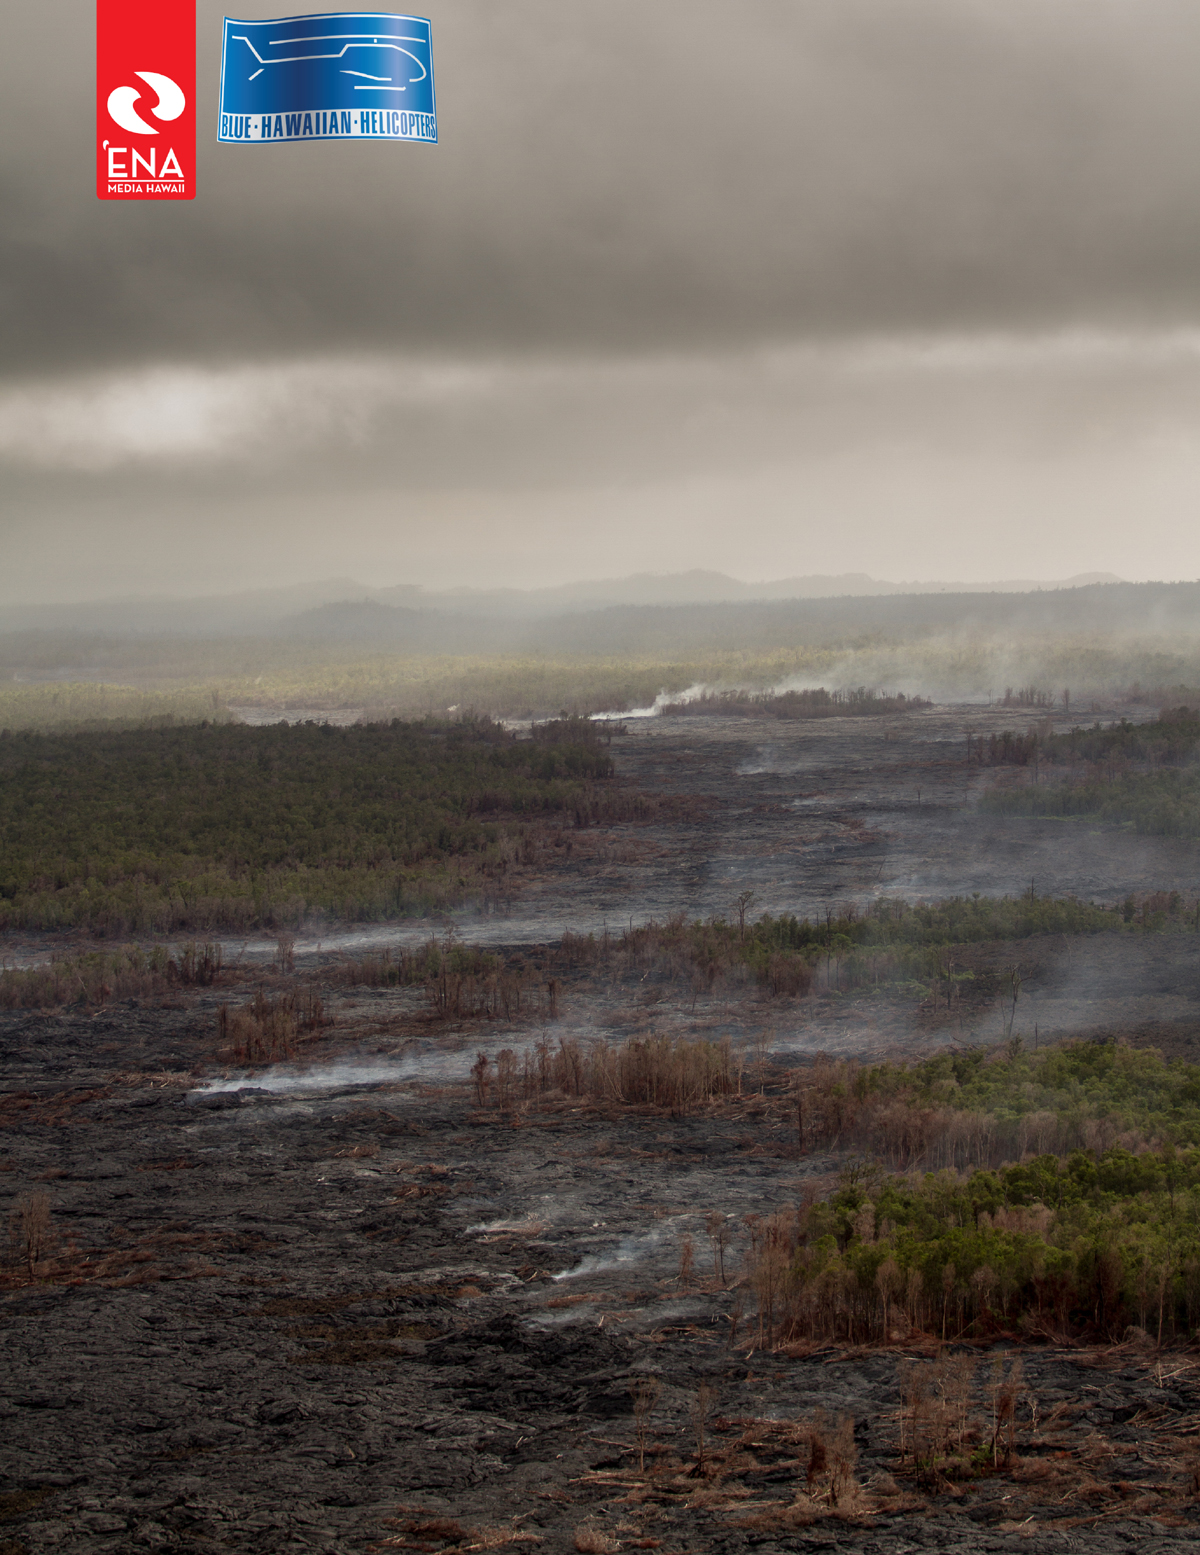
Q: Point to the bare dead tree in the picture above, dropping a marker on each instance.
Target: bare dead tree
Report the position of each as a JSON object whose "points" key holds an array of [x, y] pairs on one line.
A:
{"points": [[645, 1393], [506, 1077], [701, 1409], [30, 1230], [742, 905], [480, 1076], [717, 1228]]}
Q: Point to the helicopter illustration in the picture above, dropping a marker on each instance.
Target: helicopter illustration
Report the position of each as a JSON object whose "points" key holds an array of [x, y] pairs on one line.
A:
{"points": [[360, 61]]}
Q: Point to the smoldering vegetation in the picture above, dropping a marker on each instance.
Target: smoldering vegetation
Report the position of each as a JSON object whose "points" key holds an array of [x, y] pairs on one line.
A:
{"points": [[890, 944], [859, 702], [794, 1208], [1033, 1196], [1104, 644], [500, 1276]]}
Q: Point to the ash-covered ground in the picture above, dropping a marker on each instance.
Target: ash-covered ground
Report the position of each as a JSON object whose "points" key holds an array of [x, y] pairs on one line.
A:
{"points": [[340, 1305], [811, 814]]}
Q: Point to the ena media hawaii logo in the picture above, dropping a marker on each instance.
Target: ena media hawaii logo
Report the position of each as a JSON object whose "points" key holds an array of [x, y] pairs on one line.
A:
{"points": [[338, 75], [145, 99]]}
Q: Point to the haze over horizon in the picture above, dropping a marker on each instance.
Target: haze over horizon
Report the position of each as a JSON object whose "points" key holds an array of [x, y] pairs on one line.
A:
{"points": [[696, 585], [904, 290]]}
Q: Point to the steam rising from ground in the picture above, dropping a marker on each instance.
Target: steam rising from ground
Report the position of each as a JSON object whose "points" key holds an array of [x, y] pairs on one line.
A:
{"points": [[342, 1075], [629, 1250], [839, 678], [528, 1226], [442, 1065], [972, 669], [663, 699]]}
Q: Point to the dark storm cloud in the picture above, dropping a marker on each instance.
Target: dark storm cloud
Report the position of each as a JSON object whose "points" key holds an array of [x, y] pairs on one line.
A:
{"points": [[907, 286], [631, 176]]}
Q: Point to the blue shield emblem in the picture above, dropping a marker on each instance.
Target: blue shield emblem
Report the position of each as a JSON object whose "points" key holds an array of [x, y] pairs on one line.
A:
{"points": [[338, 75]]}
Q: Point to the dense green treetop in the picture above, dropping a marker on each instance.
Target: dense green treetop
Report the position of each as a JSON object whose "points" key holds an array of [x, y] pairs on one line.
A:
{"points": [[219, 808]]}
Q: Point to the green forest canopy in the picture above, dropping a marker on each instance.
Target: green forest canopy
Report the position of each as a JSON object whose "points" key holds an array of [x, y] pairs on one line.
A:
{"points": [[227, 825]]}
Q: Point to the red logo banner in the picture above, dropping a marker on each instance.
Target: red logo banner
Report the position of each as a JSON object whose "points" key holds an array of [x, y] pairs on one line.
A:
{"points": [[145, 99]]}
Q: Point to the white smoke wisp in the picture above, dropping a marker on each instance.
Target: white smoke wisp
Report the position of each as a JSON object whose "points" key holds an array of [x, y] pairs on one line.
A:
{"points": [[769, 758], [628, 1251], [803, 682], [841, 678], [663, 699], [887, 675], [526, 1227], [542, 1320], [345, 1074]]}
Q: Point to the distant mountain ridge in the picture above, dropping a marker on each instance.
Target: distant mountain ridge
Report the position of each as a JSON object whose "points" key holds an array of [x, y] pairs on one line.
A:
{"points": [[257, 610], [701, 587], [1103, 610]]}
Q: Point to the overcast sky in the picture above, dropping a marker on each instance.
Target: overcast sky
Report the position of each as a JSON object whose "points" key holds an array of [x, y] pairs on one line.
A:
{"points": [[909, 287]]}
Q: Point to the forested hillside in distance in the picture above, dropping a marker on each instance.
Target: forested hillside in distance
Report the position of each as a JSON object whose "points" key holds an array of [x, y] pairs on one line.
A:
{"points": [[1111, 643]]}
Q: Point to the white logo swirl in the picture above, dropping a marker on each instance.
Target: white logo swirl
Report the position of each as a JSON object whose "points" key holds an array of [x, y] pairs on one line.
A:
{"points": [[171, 103]]}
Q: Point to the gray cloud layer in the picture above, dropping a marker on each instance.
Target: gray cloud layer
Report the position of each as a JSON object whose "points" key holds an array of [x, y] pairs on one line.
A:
{"points": [[908, 286], [967, 457], [621, 175]]}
